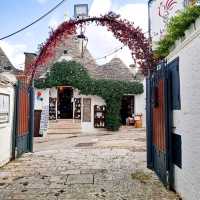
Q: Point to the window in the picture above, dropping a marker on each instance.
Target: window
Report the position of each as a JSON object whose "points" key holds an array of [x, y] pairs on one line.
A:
{"points": [[65, 52], [4, 108], [8, 67], [177, 150]]}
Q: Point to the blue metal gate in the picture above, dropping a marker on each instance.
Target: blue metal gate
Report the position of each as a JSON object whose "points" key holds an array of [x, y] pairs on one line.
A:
{"points": [[163, 145], [23, 131], [158, 157]]}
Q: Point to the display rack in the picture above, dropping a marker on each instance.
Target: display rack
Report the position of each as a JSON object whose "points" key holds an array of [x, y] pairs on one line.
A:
{"points": [[52, 108], [99, 116], [77, 108]]}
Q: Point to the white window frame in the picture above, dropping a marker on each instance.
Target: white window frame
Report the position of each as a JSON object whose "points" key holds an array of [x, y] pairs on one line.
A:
{"points": [[4, 111]]}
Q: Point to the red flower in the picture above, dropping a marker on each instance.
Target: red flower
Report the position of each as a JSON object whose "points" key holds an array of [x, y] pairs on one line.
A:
{"points": [[123, 30]]}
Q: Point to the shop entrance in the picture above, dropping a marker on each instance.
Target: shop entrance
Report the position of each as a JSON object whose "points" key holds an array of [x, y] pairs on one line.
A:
{"points": [[127, 108], [65, 105]]}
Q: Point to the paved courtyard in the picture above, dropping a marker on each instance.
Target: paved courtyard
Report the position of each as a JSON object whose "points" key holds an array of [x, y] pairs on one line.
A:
{"points": [[103, 166]]}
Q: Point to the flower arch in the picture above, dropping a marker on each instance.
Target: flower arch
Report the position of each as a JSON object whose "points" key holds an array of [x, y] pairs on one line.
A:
{"points": [[123, 30]]}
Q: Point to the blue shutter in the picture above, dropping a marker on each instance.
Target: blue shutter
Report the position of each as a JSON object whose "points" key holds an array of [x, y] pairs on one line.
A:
{"points": [[177, 150], [175, 84]]}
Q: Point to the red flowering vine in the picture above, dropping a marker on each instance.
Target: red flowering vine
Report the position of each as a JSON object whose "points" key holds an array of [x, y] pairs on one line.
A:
{"points": [[123, 30]]}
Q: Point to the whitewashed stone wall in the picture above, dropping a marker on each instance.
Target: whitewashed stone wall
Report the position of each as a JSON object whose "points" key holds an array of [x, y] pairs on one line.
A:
{"points": [[140, 104], [43, 105], [6, 129], [187, 120]]}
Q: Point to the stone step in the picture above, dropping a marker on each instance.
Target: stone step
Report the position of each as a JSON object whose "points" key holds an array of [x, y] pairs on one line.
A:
{"points": [[63, 131], [64, 126], [65, 121]]}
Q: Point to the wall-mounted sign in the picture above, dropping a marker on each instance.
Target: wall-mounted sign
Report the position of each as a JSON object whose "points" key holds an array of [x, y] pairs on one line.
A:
{"points": [[160, 13], [4, 108]]}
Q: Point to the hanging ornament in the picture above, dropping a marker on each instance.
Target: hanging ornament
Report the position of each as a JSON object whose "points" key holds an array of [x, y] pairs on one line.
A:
{"points": [[39, 96]]}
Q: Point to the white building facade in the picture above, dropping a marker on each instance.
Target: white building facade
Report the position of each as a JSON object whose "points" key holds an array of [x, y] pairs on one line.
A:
{"points": [[7, 99], [186, 119], [47, 102]]}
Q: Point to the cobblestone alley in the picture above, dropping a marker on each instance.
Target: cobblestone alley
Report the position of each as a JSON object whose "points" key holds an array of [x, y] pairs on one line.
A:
{"points": [[84, 167]]}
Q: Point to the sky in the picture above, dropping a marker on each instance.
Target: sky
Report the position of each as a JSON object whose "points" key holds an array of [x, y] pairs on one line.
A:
{"points": [[15, 14]]}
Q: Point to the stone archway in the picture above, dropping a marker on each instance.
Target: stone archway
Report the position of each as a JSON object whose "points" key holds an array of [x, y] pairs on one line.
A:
{"points": [[123, 30]]}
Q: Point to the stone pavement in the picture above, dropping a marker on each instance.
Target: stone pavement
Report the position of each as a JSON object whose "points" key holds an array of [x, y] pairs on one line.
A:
{"points": [[103, 166]]}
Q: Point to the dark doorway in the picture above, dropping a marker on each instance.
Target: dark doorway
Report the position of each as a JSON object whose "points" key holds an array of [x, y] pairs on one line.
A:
{"points": [[127, 108], [65, 105], [37, 118]]}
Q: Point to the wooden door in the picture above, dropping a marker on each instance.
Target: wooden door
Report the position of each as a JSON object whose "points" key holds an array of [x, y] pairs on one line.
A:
{"points": [[159, 131], [86, 109]]}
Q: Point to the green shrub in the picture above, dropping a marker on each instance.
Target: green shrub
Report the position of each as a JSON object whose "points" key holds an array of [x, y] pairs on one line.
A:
{"points": [[176, 29]]}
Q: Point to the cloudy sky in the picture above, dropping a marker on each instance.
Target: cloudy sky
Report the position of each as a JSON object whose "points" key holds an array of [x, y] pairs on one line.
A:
{"points": [[16, 14]]}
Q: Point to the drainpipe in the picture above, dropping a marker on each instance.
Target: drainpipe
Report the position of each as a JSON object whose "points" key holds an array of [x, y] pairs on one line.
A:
{"points": [[15, 124], [148, 103], [149, 19]]}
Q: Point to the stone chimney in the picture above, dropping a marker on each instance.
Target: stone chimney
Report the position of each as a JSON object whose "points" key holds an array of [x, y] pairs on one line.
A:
{"points": [[133, 68], [29, 58]]}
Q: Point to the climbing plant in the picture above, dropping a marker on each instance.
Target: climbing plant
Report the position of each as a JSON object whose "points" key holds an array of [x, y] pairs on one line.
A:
{"points": [[73, 74], [176, 29], [123, 30]]}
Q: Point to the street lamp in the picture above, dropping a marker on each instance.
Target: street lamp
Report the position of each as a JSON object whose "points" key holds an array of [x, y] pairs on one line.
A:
{"points": [[80, 10]]}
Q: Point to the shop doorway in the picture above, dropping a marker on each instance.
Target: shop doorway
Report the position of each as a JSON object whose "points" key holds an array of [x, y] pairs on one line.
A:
{"points": [[65, 104], [127, 107]]}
